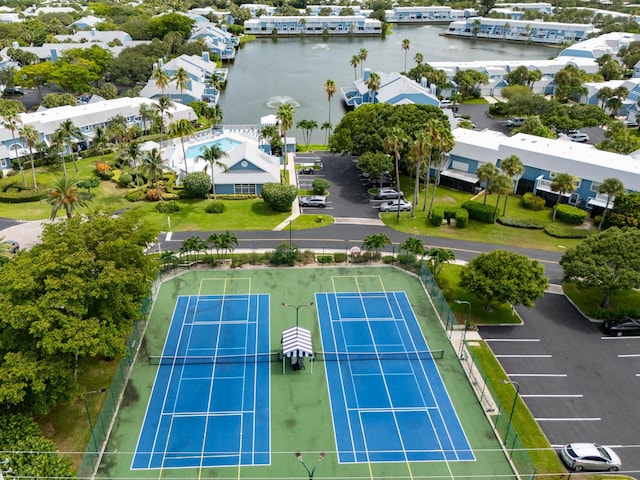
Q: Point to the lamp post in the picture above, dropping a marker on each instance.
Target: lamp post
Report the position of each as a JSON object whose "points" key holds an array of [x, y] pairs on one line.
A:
{"points": [[513, 406], [466, 327], [310, 471], [297, 307], [86, 406]]}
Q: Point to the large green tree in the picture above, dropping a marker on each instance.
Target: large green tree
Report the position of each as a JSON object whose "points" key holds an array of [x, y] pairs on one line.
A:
{"points": [[626, 211], [73, 297], [608, 261], [504, 277]]}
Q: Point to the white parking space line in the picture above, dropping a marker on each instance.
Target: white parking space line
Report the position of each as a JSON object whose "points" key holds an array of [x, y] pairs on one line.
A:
{"points": [[620, 338], [523, 356], [537, 374], [629, 355], [552, 396], [567, 419], [511, 339]]}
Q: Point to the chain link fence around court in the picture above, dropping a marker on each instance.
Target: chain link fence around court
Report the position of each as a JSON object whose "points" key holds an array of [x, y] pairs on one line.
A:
{"points": [[102, 425], [498, 414]]}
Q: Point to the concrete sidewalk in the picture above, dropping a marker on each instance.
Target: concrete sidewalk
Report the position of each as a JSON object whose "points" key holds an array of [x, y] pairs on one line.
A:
{"points": [[293, 180]]}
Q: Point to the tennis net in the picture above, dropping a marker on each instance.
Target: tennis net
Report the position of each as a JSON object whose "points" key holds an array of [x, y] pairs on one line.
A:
{"points": [[277, 356]]}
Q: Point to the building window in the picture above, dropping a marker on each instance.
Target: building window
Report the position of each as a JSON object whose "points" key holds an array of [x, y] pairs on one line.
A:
{"points": [[244, 189]]}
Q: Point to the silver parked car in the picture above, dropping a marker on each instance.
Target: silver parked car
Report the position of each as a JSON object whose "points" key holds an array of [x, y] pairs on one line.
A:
{"points": [[591, 457], [313, 201], [385, 193], [392, 206]]}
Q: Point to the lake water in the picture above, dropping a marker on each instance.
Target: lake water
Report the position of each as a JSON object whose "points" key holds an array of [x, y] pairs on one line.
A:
{"points": [[267, 72]]}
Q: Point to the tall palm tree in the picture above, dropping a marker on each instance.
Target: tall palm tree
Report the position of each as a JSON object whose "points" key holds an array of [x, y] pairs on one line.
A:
{"points": [[331, 88], [512, 167], [362, 56], [561, 183], [161, 77], [373, 84], [68, 133], [134, 153], [355, 61], [181, 128], [406, 43], [100, 140], [486, 173], [611, 187], [146, 113], [212, 155], [152, 165], [418, 58], [12, 121], [443, 142], [502, 185], [420, 149], [181, 78], [66, 195], [394, 142], [30, 136], [285, 117], [164, 104]]}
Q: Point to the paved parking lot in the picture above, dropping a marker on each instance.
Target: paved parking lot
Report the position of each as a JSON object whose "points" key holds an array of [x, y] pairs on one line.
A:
{"points": [[579, 384]]}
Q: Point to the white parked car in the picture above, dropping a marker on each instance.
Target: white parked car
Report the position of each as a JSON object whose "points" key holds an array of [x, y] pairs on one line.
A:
{"points": [[313, 201], [392, 206], [591, 457], [579, 137]]}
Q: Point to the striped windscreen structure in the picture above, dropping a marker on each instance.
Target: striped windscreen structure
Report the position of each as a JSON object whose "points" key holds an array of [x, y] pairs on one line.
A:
{"points": [[296, 342]]}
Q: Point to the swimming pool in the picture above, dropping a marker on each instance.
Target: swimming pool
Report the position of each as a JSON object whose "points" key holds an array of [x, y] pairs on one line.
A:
{"points": [[225, 144]]}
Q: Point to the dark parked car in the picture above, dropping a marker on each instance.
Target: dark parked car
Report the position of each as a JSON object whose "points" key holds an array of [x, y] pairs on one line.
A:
{"points": [[623, 326], [307, 170], [12, 92]]}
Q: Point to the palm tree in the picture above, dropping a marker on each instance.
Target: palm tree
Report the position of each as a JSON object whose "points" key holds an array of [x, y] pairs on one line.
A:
{"points": [[437, 258], [355, 61], [394, 142], [307, 126], [152, 165], [146, 112], [362, 56], [611, 187], [134, 153], [406, 43], [512, 167], [182, 128], [30, 136], [227, 242], [100, 140], [502, 185], [376, 242], [326, 126], [331, 88], [213, 154], [443, 142], [68, 132], [285, 117], [562, 183], [11, 120], [181, 78], [65, 194], [418, 58], [164, 104], [486, 173], [373, 84], [420, 149], [161, 78]]}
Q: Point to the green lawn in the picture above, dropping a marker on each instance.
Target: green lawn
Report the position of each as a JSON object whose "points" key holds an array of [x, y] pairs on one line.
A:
{"points": [[588, 301]]}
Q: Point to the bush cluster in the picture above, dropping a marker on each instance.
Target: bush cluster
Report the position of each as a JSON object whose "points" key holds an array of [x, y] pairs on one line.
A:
{"points": [[533, 202], [340, 257], [21, 195], [168, 207], [437, 216], [136, 195], [197, 185], [125, 180], [214, 207], [480, 212], [325, 259], [153, 195], [240, 196], [462, 217], [320, 186], [560, 231], [105, 175], [570, 214], [279, 197], [518, 223]]}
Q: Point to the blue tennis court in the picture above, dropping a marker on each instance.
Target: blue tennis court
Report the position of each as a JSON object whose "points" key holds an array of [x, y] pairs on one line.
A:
{"points": [[209, 405], [388, 400]]}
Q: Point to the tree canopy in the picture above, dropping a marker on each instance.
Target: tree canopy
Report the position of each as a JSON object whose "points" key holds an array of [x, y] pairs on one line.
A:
{"points": [[608, 261], [504, 277], [74, 296]]}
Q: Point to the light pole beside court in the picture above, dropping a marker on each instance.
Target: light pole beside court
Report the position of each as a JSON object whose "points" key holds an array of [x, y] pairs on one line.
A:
{"points": [[310, 471], [297, 307], [467, 324], [86, 406], [513, 406]]}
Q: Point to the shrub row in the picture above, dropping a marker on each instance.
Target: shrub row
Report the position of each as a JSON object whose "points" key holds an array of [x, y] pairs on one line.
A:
{"points": [[532, 202], [560, 231], [168, 207], [480, 212], [570, 214], [518, 223], [214, 207], [460, 215], [20, 194]]}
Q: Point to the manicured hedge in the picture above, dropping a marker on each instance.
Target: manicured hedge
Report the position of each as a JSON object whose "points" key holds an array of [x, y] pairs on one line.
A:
{"points": [[480, 212], [437, 216], [532, 202], [570, 214], [14, 192], [168, 207], [560, 231], [462, 217], [518, 223], [214, 207]]}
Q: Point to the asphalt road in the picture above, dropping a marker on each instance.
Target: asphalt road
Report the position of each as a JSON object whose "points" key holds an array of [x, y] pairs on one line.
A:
{"points": [[579, 384]]}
